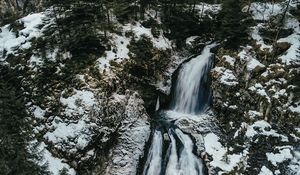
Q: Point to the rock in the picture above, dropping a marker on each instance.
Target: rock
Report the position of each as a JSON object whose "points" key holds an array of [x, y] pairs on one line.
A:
{"points": [[227, 61], [255, 67], [281, 47], [166, 137], [135, 132]]}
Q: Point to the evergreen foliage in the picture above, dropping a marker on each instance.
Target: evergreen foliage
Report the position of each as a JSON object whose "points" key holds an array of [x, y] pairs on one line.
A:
{"points": [[15, 130], [233, 27], [78, 24], [296, 78], [146, 60]]}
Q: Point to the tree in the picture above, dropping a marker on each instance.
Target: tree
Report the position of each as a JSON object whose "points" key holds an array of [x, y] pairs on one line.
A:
{"points": [[295, 81], [15, 130], [233, 27], [78, 24]]}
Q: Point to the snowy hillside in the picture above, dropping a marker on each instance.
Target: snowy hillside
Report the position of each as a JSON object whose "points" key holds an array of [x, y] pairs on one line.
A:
{"points": [[138, 87]]}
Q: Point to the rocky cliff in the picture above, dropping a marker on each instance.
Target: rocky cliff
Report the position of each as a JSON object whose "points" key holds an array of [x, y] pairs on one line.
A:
{"points": [[91, 107]]}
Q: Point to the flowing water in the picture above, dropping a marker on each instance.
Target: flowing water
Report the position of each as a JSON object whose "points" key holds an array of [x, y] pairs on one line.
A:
{"points": [[191, 96], [192, 92]]}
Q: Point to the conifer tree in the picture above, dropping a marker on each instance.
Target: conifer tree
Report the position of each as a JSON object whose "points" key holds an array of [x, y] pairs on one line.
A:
{"points": [[15, 131], [233, 30]]}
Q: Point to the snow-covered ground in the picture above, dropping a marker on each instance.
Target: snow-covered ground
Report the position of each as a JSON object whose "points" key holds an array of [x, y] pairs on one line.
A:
{"points": [[120, 43], [11, 42], [71, 130], [54, 165]]}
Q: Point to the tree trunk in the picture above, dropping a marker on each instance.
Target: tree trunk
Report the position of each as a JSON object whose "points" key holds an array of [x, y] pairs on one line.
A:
{"points": [[285, 11]]}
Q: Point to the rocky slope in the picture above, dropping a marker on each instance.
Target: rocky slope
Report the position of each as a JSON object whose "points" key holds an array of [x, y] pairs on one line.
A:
{"points": [[92, 115], [254, 100]]}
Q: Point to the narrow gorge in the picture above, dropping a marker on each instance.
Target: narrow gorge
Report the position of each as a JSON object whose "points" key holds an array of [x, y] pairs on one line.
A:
{"points": [[149, 87]]}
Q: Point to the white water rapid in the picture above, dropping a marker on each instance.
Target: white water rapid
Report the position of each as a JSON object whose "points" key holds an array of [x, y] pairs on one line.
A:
{"points": [[191, 96]]}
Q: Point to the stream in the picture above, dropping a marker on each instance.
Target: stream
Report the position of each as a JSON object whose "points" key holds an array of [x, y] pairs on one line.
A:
{"points": [[172, 151]]}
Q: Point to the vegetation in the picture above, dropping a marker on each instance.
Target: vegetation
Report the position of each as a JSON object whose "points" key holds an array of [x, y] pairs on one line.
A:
{"points": [[233, 30], [83, 28], [296, 80], [15, 130], [146, 60]]}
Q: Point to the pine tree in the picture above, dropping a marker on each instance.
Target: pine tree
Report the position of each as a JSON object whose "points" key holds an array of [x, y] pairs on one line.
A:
{"points": [[233, 30], [15, 131], [77, 25], [296, 77]]}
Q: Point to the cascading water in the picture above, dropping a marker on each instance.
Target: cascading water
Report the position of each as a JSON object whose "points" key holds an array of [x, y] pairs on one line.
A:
{"points": [[191, 91], [153, 164], [192, 95]]}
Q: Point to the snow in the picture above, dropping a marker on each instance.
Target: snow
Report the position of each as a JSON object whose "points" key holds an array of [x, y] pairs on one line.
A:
{"points": [[9, 42], [264, 128], [275, 158], [233, 107], [38, 112], [295, 109], [161, 42], [253, 114], [62, 132], [31, 22], [293, 39], [259, 40], [213, 146], [245, 52], [189, 41], [253, 64], [295, 163], [79, 102], [54, 164], [259, 89], [226, 76], [66, 133], [205, 9], [118, 53], [280, 93], [219, 154], [230, 60], [35, 61], [265, 171], [264, 11]]}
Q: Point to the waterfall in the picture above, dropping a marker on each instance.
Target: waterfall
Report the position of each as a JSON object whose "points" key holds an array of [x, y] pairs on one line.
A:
{"points": [[191, 91], [153, 164], [189, 163], [172, 167], [191, 96]]}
